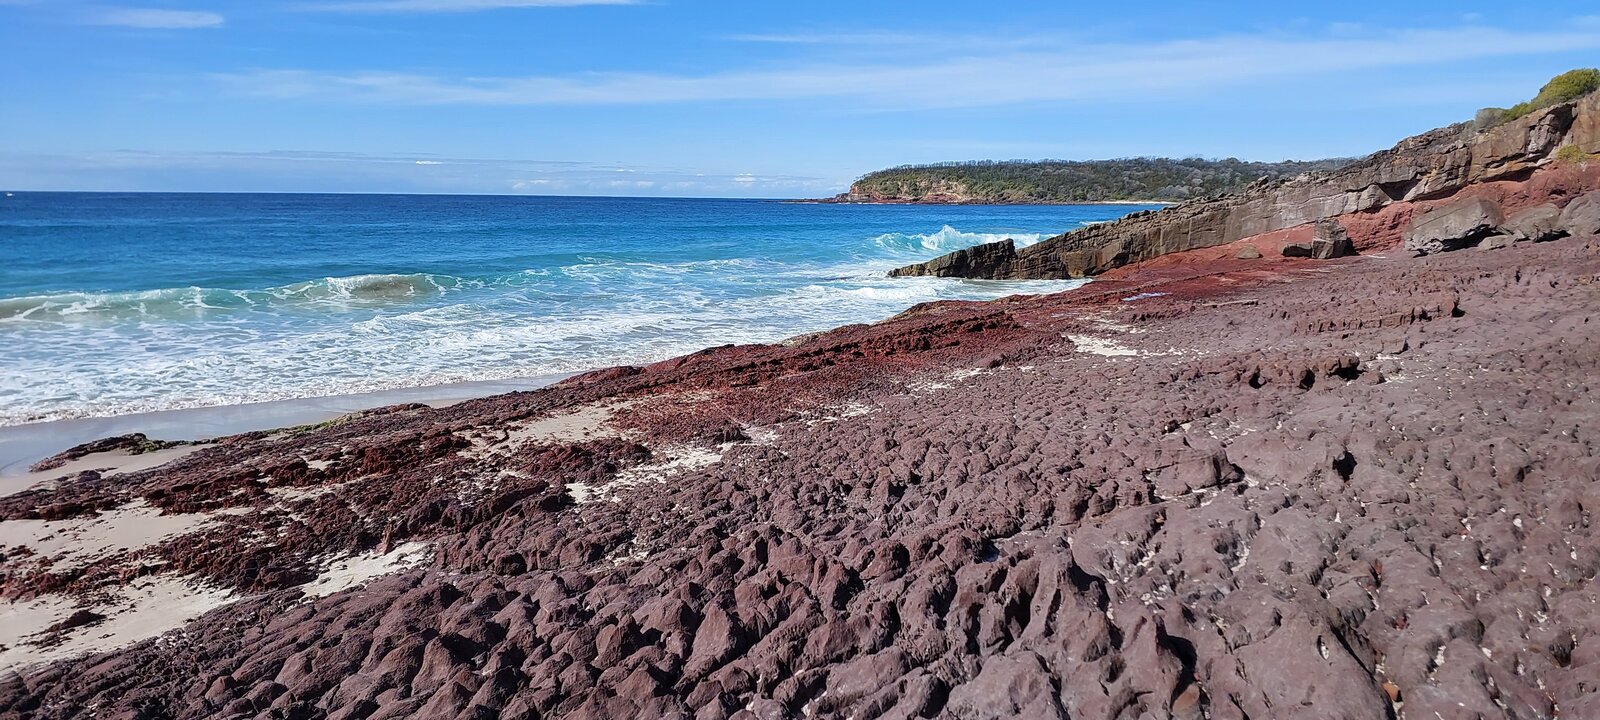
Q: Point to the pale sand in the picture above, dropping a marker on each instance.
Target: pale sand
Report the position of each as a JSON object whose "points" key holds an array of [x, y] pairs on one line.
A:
{"points": [[150, 606], [23, 445], [154, 605], [580, 424], [143, 609], [677, 459], [1101, 346], [346, 573], [76, 542], [109, 464]]}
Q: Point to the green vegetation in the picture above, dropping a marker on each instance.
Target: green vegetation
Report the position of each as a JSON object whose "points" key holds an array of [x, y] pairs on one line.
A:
{"points": [[146, 445], [1056, 181], [1575, 154], [313, 427], [1566, 87]]}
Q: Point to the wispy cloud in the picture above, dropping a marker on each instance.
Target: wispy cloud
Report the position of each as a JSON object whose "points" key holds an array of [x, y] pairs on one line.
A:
{"points": [[442, 6], [887, 38], [321, 171], [156, 19], [1083, 72]]}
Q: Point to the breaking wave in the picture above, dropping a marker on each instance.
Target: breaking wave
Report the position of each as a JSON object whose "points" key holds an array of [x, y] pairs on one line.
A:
{"points": [[332, 292], [947, 239], [512, 293]]}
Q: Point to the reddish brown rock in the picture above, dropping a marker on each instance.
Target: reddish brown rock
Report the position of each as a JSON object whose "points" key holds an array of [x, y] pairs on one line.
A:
{"points": [[1438, 164], [1271, 490]]}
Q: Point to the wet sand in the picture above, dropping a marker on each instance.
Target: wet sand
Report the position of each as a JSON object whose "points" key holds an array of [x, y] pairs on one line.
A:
{"points": [[24, 445]]}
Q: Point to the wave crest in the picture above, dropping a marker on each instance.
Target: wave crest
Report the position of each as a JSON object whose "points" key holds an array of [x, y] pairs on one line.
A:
{"points": [[335, 292], [947, 239]]}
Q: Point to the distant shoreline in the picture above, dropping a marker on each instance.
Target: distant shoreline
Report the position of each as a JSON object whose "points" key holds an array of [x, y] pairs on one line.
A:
{"points": [[835, 201]]}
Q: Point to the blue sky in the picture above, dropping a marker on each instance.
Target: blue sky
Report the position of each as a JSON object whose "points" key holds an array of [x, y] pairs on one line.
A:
{"points": [[732, 99]]}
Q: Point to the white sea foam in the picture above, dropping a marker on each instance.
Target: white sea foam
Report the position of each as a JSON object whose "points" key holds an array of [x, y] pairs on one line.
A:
{"points": [[332, 292], [947, 239], [118, 353]]}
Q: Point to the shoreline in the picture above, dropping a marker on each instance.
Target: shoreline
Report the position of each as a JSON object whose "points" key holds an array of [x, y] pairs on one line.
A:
{"points": [[960, 446], [25, 444], [997, 203]]}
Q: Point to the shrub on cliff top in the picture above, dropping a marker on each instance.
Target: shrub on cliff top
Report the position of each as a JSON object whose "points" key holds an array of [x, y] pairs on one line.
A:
{"points": [[1488, 118], [1567, 86]]}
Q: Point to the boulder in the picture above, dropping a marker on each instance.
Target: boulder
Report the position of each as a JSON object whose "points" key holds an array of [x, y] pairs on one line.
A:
{"points": [[1496, 242], [1537, 224], [1454, 226], [1248, 252], [1582, 216], [986, 260], [1328, 240]]}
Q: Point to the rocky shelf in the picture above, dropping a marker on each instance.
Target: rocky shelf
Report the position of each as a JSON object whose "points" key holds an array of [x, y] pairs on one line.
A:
{"points": [[1230, 488]]}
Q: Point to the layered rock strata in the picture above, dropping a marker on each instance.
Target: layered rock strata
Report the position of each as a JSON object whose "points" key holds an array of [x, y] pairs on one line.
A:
{"points": [[1434, 165]]}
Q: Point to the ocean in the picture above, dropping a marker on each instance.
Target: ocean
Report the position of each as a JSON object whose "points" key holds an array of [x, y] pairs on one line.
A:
{"points": [[115, 303]]}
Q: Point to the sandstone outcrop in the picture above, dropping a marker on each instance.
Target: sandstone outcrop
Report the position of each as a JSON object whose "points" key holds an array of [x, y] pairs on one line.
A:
{"points": [[1478, 221], [1453, 226], [1328, 240], [1536, 224], [1582, 216], [1430, 166], [977, 261]]}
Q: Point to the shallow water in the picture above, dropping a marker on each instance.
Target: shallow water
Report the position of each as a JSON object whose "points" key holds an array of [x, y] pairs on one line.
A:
{"points": [[122, 303]]}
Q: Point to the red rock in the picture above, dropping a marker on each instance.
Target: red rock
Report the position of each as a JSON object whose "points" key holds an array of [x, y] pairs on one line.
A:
{"points": [[1202, 526]]}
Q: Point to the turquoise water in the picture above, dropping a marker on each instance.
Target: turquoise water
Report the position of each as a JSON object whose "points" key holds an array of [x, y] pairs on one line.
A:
{"points": [[120, 303]]}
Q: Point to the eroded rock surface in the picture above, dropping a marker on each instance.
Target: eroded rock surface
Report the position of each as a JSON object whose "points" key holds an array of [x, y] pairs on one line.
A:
{"points": [[1431, 166], [1536, 224], [1328, 240], [1454, 226], [1582, 216], [1182, 493]]}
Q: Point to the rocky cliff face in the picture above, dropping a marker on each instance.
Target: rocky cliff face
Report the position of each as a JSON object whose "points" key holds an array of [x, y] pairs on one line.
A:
{"points": [[933, 192], [1433, 165]]}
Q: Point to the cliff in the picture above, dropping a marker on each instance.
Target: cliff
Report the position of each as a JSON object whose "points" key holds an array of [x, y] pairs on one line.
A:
{"points": [[1056, 181], [1436, 164]]}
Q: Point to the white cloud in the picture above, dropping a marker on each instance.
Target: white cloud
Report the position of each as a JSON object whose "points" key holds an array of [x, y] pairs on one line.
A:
{"points": [[1082, 72], [155, 19], [429, 162], [321, 171], [832, 38], [427, 6]]}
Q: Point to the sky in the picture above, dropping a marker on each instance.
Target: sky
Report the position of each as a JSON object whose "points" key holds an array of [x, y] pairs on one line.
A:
{"points": [[737, 98]]}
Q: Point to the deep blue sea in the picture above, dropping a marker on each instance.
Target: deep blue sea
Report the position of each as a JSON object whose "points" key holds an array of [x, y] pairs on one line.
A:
{"points": [[120, 303]]}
